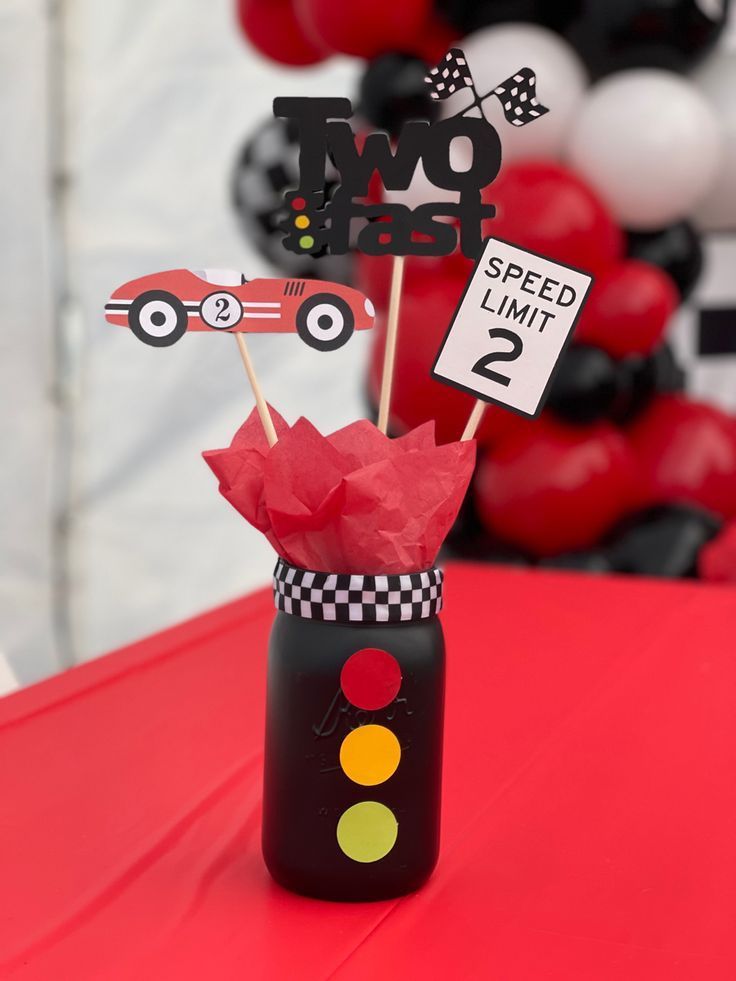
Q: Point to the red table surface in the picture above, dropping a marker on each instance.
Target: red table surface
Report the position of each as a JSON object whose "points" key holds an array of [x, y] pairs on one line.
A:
{"points": [[589, 802]]}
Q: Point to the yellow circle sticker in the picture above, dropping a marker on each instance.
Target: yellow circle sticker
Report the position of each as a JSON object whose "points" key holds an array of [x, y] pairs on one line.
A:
{"points": [[367, 831], [370, 754]]}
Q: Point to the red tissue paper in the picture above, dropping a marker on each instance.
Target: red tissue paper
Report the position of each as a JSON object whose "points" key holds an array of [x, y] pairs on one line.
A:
{"points": [[354, 501]]}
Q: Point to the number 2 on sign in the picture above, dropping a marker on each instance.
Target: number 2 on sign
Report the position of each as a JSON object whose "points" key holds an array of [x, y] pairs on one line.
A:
{"points": [[481, 365]]}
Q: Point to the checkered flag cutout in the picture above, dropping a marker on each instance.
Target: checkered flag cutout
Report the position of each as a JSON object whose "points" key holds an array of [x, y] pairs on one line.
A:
{"points": [[345, 598], [449, 76], [518, 97]]}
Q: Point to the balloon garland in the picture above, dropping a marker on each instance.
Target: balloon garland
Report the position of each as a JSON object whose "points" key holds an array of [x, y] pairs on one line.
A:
{"points": [[634, 161]]}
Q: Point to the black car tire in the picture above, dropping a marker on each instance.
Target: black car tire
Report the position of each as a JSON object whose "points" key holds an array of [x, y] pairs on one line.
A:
{"points": [[328, 329], [137, 318]]}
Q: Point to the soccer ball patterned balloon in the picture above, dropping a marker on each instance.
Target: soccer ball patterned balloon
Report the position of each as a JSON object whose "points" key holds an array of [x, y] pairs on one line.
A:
{"points": [[266, 167]]}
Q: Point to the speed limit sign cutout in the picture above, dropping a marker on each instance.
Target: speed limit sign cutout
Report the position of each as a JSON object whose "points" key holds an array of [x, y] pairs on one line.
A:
{"points": [[516, 316]]}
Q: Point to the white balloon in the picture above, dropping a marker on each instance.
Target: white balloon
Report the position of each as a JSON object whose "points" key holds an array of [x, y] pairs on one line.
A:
{"points": [[495, 53], [717, 81], [649, 143], [421, 190]]}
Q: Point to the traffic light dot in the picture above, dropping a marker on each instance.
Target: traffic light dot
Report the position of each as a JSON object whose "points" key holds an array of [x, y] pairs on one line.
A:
{"points": [[367, 831], [302, 221], [306, 241], [369, 755], [370, 679], [298, 203]]}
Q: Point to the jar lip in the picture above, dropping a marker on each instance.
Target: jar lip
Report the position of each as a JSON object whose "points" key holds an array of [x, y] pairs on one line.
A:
{"points": [[343, 597]]}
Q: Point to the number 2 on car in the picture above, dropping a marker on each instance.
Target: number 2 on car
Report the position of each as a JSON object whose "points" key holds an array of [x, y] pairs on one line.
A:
{"points": [[513, 321]]}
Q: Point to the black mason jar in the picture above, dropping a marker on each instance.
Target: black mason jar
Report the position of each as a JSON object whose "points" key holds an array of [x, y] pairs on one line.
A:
{"points": [[353, 757]]}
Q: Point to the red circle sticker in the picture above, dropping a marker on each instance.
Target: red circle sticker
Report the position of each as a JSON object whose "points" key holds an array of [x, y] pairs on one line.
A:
{"points": [[370, 678]]}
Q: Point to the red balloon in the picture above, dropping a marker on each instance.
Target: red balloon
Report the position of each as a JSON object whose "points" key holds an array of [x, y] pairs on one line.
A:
{"points": [[546, 208], [271, 26], [373, 277], [364, 28], [556, 488], [373, 273], [627, 309], [434, 41], [416, 397], [717, 559], [687, 452]]}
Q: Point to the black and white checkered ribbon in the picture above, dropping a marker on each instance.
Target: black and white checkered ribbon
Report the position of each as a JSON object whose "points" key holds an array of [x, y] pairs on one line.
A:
{"points": [[345, 598]]}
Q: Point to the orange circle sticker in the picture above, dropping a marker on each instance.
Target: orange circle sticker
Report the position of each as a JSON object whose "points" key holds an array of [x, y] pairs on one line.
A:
{"points": [[370, 754]]}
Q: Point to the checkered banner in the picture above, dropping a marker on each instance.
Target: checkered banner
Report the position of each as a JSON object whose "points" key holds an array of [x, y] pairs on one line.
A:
{"points": [[518, 97], [345, 598]]}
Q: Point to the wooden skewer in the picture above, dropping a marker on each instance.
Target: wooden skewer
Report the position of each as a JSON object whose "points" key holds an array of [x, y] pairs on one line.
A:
{"points": [[474, 420], [392, 329], [261, 404]]}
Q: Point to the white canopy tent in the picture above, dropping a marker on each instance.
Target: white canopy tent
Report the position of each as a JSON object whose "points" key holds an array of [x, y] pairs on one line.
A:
{"points": [[121, 122]]}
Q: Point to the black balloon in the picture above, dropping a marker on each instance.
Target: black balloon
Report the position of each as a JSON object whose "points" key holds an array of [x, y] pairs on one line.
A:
{"points": [[676, 249], [642, 377], [592, 561], [392, 90], [586, 385], [613, 34], [589, 385], [662, 541], [470, 15]]}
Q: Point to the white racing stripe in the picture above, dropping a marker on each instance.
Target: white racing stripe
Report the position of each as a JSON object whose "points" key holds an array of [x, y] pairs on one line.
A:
{"points": [[192, 309], [246, 315], [197, 303]]}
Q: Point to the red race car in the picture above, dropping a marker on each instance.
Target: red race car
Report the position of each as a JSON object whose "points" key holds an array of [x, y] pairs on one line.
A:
{"points": [[159, 308]]}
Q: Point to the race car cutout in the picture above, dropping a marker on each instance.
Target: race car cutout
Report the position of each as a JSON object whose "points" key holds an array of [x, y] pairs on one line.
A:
{"points": [[161, 307]]}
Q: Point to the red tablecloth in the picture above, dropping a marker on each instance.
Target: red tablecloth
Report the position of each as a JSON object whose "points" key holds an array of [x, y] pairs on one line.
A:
{"points": [[589, 815]]}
